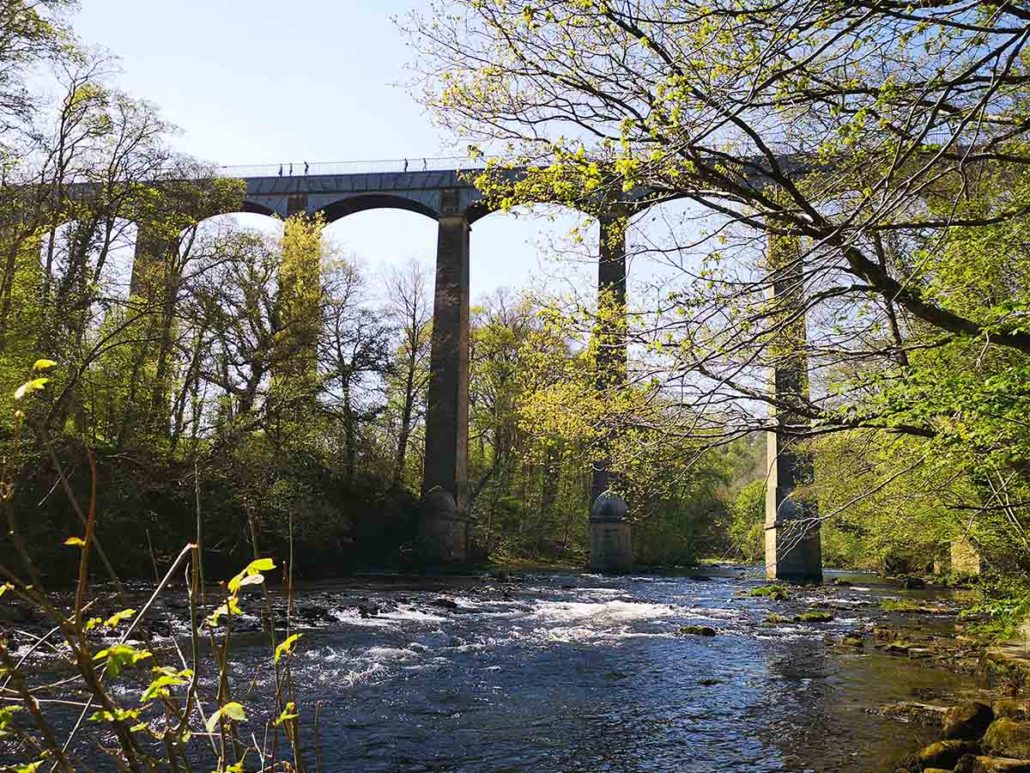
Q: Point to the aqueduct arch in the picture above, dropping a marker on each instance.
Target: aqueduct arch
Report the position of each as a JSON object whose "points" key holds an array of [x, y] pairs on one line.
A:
{"points": [[449, 197]]}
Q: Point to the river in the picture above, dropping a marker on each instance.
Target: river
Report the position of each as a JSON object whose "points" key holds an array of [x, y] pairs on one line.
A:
{"points": [[563, 672]]}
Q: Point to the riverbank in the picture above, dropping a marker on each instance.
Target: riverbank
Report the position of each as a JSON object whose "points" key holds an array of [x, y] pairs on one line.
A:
{"points": [[989, 733]]}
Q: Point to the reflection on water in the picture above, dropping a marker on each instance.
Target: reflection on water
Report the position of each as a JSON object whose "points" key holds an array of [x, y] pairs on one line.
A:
{"points": [[588, 673]]}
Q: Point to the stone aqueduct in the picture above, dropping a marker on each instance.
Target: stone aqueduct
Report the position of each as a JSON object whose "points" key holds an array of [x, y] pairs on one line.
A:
{"points": [[446, 194]]}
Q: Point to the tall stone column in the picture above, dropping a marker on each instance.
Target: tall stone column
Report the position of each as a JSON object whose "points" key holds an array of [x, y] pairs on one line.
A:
{"points": [[792, 543], [444, 527], [21, 308], [155, 252], [611, 549], [153, 290]]}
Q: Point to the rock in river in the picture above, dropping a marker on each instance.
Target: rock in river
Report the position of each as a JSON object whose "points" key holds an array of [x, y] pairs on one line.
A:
{"points": [[444, 603], [1012, 708], [1008, 738], [923, 713], [813, 617], [942, 754], [697, 630], [968, 720], [973, 764]]}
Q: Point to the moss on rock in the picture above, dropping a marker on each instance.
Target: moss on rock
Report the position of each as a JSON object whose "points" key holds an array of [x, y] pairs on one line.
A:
{"points": [[775, 592], [942, 754], [697, 630], [813, 616], [1009, 738]]}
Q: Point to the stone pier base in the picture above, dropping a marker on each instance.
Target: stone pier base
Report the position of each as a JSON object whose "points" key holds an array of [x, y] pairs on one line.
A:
{"points": [[611, 547], [793, 549], [793, 552], [443, 531]]}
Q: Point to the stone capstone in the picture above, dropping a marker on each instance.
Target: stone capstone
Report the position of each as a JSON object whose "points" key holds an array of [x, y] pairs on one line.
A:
{"points": [[610, 508]]}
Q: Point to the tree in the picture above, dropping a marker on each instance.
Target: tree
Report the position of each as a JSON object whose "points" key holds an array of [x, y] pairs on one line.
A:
{"points": [[411, 311], [886, 141], [234, 308], [30, 32], [355, 352]]}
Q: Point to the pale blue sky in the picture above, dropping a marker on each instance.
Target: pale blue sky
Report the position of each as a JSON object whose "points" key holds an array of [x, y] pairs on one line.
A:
{"points": [[323, 80]]}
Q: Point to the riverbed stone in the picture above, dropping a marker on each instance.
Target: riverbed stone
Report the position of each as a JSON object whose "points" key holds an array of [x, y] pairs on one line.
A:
{"points": [[942, 754], [813, 616], [1008, 738], [367, 610], [896, 647], [1012, 708], [909, 711], [968, 720], [775, 591], [983, 764], [697, 630]]}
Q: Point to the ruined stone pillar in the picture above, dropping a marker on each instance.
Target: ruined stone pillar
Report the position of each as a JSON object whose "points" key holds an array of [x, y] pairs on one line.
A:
{"points": [[611, 549], [443, 527], [792, 544]]}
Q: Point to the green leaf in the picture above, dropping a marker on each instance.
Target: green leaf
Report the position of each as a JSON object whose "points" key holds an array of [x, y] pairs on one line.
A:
{"points": [[261, 565], [30, 386], [118, 715], [165, 678], [232, 711], [75, 542], [253, 569], [43, 364], [286, 647], [290, 712], [118, 656], [6, 716], [229, 607], [118, 617]]}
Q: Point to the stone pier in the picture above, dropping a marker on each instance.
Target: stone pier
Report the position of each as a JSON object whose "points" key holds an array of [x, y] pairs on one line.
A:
{"points": [[611, 548], [444, 525], [965, 560], [792, 542]]}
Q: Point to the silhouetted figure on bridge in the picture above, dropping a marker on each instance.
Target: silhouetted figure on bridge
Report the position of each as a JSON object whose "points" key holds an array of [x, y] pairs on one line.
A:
{"points": [[425, 165], [280, 170], [405, 166], [291, 170], [306, 168]]}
